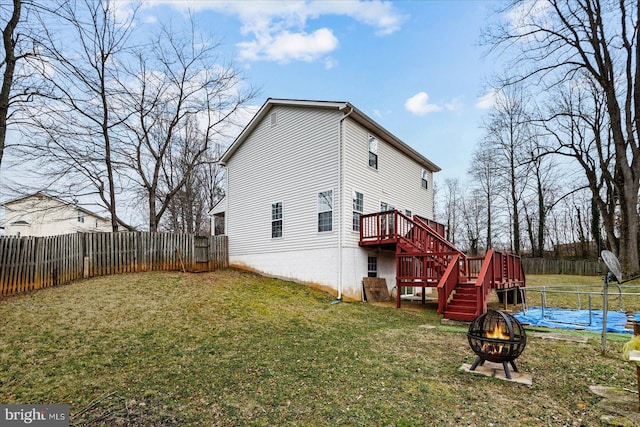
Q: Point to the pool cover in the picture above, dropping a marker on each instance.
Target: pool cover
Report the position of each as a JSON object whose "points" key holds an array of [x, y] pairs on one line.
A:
{"points": [[576, 319]]}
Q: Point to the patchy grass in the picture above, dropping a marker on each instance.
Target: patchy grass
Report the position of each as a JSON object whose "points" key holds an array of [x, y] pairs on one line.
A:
{"points": [[562, 292], [232, 348]]}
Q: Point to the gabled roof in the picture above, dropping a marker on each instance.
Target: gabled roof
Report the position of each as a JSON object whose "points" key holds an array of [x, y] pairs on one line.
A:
{"points": [[48, 196], [344, 107]]}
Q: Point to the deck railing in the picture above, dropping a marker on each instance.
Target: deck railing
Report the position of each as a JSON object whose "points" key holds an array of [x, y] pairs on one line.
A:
{"points": [[393, 227]]}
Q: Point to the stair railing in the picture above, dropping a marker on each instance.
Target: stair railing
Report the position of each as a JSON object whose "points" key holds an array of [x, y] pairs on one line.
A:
{"points": [[485, 280], [448, 282]]}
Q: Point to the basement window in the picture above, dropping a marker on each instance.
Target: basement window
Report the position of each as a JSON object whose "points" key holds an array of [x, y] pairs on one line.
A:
{"points": [[373, 152], [276, 220], [325, 211], [372, 266]]}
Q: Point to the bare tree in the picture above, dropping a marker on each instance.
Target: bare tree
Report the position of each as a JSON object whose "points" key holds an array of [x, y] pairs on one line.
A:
{"points": [[180, 97], [452, 208], [556, 41], [579, 130], [20, 33], [76, 127], [483, 174], [507, 133], [9, 64], [473, 220]]}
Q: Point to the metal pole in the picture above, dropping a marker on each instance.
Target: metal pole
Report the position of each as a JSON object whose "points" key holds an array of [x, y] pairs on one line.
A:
{"points": [[605, 308], [579, 303], [636, 331]]}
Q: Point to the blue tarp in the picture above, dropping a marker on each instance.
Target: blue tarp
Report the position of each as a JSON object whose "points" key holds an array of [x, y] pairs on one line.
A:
{"points": [[576, 319]]}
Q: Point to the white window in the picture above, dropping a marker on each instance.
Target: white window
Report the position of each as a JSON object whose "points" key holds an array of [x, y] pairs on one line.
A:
{"points": [[276, 220], [80, 216], [373, 152], [358, 209], [372, 266], [325, 211], [384, 207], [425, 179]]}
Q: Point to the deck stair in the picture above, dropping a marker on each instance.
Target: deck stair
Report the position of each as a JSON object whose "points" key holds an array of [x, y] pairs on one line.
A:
{"points": [[424, 258]]}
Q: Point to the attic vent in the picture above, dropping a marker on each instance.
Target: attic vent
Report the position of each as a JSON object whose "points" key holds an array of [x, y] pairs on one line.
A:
{"points": [[274, 119]]}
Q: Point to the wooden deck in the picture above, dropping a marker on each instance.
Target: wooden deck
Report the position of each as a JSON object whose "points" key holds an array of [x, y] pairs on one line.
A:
{"points": [[424, 258]]}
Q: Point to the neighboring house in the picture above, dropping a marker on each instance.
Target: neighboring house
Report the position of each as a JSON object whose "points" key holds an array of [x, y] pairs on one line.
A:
{"points": [[300, 176], [40, 214]]}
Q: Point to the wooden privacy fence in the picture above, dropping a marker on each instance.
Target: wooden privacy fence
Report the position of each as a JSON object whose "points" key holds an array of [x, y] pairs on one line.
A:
{"points": [[562, 266], [28, 263]]}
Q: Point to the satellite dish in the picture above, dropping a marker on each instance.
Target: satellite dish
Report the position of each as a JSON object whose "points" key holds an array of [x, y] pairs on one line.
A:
{"points": [[612, 262]]}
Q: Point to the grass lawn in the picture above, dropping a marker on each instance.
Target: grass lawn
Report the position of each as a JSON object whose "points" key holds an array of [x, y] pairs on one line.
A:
{"points": [[232, 348]]}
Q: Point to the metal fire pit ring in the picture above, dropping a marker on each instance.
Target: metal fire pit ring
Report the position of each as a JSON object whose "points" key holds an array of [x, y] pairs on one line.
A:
{"points": [[498, 337]]}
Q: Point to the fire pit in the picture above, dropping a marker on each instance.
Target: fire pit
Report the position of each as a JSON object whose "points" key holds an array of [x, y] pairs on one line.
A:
{"points": [[498, 337]]}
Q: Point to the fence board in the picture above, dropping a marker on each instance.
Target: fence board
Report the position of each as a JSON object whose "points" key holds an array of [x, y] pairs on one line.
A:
{"points": [[560, 266], [29, 263]]}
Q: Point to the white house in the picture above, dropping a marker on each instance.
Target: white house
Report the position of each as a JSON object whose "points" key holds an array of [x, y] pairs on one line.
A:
{"points": [[40, 214], [299, 177]]}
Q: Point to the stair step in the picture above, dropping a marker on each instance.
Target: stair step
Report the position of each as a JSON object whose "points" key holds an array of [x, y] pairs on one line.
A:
{"points": [[458, 297], [462, 306], [456, 315]]}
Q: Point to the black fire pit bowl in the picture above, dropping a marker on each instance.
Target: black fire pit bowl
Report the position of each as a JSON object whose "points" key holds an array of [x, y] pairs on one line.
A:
{"points": [[498, 337]]}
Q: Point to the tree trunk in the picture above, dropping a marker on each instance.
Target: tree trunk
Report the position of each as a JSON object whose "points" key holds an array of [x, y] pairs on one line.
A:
{"points": [[10, 66]]}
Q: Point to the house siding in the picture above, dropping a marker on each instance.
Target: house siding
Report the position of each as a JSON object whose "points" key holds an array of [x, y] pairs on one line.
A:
{"points": [[291, 163], [397, 180], [312, 149], [45, 216]]}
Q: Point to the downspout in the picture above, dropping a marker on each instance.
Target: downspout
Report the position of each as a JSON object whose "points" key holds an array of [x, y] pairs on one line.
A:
{"points": [[341, 191]]}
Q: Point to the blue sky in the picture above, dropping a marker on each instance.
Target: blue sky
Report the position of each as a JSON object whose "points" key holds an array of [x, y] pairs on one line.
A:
{"points": [[414, 66]]}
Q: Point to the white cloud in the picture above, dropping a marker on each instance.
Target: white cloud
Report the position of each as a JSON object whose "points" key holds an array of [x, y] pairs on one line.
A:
{"points": [[286, 46], [488, 100], [330, 63], [419, 105], [453, 105], [527, 16], [271, 24]]}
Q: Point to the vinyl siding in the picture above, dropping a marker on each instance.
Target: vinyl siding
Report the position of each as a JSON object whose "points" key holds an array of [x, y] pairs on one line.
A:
{"points": [[397, 180], [291, 163], [49, 217]]}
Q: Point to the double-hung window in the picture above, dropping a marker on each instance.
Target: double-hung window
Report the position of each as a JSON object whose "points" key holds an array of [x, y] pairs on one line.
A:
{"points": [[425, 179], [358, 209], [373, 152], [325, 211], [276, 220]]}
